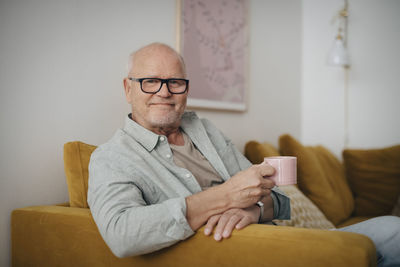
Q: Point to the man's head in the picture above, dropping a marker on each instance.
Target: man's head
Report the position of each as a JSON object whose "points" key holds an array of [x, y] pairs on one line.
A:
{"points": [[163, 109]]}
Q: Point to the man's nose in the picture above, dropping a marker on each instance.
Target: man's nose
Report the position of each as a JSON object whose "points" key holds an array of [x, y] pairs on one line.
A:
{"points": [[164, 92]]}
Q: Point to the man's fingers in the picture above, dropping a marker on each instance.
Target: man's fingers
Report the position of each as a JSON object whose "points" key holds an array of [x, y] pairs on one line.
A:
{"points": [[257, 193], [243, 223], [223, 220], [230, 225], [265, 169], [211, 224], [267, 183]]}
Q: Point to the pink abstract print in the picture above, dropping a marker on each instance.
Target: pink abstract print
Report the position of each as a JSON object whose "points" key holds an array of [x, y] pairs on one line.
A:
{"points": [[215, 45]]}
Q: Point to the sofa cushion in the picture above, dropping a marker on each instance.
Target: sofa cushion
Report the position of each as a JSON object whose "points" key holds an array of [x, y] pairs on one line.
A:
{"points": [[374, 176], [396, 209], [303, 213], [76, 163], [321, 177], [256, 152], [353, 220]]}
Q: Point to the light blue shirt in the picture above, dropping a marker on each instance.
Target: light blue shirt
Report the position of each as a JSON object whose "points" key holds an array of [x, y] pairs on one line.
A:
{"points": [[137, 193]]}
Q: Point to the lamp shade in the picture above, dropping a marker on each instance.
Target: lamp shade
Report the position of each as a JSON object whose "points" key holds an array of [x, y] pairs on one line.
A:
{"points": [[338, 55]]}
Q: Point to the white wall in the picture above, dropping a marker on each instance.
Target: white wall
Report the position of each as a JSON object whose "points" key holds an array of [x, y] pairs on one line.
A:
{"points": [[62, 64], [374, 41], [61, 70]]}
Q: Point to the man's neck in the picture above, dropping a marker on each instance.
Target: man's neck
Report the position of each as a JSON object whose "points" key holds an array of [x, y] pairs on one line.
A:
{"points": [[174, 135], [176, 138], [173, 132]]}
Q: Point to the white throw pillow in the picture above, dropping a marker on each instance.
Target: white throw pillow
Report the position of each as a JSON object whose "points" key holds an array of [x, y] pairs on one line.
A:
{"points": [[304, 213]]}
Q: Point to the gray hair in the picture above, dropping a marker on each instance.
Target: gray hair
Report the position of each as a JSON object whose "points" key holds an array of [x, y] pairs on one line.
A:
{"points": [[131, 58]]}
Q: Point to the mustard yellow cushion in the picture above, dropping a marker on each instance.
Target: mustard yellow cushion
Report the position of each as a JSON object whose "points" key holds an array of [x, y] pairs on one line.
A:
{"points": [[321, 177], [76, 163], [303, 213], [374, 176], [255, 152], [353, 220]]}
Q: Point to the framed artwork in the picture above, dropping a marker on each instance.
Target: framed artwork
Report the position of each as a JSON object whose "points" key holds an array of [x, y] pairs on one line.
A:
{"points": [[213, 39]]}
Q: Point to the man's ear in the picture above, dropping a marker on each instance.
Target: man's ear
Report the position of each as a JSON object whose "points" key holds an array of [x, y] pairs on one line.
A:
{"points": [[128, 89]]}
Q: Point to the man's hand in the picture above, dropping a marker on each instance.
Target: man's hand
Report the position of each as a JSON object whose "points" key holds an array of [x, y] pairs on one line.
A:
{"points": [[241, 191], [249, 186], [234, 218]]}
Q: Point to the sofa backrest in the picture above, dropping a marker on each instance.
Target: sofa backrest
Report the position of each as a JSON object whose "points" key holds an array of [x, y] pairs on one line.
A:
{"points": [[304, 213], [256, 152], [76, 164], [374, 177], [320, 175]]}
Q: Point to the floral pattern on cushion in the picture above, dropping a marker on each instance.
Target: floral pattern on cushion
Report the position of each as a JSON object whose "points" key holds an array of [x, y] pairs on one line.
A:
{"points": [[304, 213]]}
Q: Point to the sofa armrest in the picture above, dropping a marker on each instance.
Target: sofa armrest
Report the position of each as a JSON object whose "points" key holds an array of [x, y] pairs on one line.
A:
{"points": [[65, 236]]}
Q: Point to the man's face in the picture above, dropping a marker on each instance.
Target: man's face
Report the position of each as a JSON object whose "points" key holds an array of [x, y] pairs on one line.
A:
{"points": [[163, 109]]}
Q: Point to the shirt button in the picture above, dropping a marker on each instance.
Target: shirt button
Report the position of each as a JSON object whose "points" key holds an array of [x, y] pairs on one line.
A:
{"points": [[188, 175], [168, 156], [162, 138]]}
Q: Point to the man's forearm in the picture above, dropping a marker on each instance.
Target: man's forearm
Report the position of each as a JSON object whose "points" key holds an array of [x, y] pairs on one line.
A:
{"points": [[242, 190], [201, 206]]}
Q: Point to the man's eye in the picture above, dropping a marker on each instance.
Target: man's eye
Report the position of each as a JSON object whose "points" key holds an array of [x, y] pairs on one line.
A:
{"points": [[152, 81], [176, 82]]}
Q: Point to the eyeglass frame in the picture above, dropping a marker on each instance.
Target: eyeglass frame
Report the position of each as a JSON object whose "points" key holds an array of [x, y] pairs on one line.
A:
{"points": [[140, 80]]}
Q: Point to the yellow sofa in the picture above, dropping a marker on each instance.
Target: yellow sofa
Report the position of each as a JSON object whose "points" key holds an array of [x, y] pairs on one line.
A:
{"points": [[365, 185], [66, 235]]}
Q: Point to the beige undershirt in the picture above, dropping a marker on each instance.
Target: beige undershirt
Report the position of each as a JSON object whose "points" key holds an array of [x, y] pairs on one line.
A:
{"points": [[188, 157]]}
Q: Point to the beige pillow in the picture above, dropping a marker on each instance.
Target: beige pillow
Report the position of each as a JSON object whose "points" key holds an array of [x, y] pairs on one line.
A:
{"points": [[303, 212]]}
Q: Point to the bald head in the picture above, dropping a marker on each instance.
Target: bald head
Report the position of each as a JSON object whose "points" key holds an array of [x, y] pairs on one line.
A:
{"points": [[138, 57], [162, 110]]}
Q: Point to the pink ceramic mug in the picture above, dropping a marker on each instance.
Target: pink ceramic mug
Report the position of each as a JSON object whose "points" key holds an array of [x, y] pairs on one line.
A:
{"points": [[285, 169]]}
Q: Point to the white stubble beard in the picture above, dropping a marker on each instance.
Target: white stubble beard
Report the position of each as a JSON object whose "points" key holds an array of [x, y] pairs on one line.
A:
{"points": [[169, 120]]}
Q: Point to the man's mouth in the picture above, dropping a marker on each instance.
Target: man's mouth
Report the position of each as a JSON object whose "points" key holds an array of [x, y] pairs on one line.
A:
{"points": [[162, 104]]}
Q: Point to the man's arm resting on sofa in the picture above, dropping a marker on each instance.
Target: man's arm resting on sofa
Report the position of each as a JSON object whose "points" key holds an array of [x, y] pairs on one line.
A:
{"points": [[47, 235]]}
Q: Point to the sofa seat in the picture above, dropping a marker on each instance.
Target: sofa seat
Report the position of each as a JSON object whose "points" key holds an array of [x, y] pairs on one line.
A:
{"points": [[353, 220], [68, 236]]}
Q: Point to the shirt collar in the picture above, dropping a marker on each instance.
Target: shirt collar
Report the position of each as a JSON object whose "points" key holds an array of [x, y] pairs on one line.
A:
{"points": [[149, 139], [145, 137]]}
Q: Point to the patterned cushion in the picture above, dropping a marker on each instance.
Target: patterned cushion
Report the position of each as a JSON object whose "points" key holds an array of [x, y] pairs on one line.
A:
{"points": [[303, 212]]}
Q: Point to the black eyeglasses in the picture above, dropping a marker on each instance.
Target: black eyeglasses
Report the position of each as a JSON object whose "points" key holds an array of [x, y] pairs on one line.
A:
{"points": [[153, 85]]}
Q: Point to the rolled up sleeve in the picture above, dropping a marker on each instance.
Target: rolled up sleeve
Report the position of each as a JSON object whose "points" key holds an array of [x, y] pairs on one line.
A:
{"points": [[126, 222], [281, 204]]}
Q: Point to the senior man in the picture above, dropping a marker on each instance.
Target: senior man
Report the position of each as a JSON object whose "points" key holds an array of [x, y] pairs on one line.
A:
{"points": [[166, 173]]}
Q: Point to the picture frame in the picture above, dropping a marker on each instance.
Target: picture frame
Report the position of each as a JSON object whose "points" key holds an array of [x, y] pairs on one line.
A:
{"points": [[212, 37]]}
